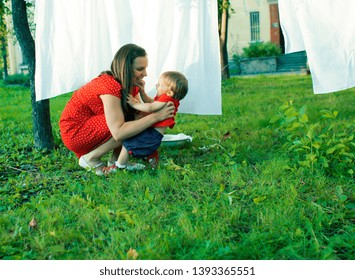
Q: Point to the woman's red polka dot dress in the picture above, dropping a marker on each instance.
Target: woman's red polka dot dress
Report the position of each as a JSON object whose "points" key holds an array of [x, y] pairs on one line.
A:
{"points": [[83, 124]]}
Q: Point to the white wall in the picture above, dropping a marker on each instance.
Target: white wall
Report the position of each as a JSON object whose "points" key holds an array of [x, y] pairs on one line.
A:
{"points": [[239, 23]]}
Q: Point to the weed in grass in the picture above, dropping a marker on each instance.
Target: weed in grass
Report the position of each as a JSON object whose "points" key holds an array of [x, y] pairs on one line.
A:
{"points": [[328, 145]]}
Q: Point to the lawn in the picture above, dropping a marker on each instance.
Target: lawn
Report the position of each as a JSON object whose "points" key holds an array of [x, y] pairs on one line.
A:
{"points": [[272, 178]]}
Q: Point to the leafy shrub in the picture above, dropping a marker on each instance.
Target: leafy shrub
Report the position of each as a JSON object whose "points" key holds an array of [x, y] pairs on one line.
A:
{"points": [[236, 59], [261, 49], [17, 79], [325, 144], [254, 50]]}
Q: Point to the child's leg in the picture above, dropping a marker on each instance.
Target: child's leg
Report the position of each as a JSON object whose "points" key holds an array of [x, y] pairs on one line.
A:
{"points": [[122, 162], [114, 156], [123, 158]]}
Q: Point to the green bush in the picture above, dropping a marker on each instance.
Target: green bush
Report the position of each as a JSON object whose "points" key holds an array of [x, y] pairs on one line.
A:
{"points": [[17, 79], [261, 49], [236, 59], [257, 49]]}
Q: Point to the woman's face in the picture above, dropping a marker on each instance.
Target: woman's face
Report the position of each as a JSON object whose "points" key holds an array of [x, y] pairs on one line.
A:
{"points": [[140, 65]]}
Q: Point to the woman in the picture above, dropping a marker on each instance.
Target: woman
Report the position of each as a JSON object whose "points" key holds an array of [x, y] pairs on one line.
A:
{"points": [[98, 118]]}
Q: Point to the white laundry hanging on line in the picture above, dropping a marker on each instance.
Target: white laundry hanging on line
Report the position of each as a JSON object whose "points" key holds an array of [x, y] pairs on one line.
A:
{"points": [[77, 39], [325, 29]]}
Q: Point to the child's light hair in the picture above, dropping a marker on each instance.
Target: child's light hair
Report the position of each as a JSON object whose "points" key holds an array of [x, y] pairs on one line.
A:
{"points": [[177, 82]]}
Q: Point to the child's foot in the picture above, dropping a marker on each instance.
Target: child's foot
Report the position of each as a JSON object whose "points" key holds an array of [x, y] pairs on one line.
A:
{"points": [[153, 159], [129, 166]]}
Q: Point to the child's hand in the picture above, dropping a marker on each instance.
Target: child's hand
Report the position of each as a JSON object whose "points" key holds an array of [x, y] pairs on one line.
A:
{"points": [[131, 100], [141, 86]]}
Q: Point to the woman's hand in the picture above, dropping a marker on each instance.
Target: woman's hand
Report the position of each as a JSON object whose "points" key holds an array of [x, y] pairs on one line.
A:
{"points": [[166, 112]]}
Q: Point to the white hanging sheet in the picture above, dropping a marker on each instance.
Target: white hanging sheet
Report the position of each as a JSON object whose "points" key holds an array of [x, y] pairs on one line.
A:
{"points": [[325, 29], [77, 39]]}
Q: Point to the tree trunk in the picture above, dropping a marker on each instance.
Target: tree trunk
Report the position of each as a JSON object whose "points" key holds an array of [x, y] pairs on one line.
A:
{"points": [[223, 41], [4, 56], [3, 40], [42, 128]]}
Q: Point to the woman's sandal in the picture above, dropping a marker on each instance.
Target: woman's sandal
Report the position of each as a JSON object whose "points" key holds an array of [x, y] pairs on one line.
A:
{"points": [[84, 164]]}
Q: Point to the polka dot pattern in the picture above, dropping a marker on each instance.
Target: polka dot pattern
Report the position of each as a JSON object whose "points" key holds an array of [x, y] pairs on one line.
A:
{"points": [[83, 124]]}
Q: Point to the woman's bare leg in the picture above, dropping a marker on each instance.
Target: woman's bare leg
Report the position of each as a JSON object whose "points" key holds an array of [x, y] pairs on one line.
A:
{"points": [[93, 158]]}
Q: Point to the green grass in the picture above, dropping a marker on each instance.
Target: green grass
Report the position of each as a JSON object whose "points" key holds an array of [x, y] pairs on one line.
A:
{"points": [[233, 193]]}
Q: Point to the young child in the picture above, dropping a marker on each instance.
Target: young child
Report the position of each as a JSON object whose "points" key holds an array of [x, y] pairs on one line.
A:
{"points": [[172, 86]]}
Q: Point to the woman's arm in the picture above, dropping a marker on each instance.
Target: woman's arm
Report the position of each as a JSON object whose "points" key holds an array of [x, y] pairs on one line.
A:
{"points": [[120, 129]]}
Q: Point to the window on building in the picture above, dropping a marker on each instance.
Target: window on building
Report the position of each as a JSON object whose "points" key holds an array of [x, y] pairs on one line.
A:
{"points": [[255, 26]]}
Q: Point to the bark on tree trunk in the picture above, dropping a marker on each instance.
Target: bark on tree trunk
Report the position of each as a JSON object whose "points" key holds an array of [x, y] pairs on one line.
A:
{"points": [[42, 128], [4, 56], [3, 41], [223, 42]]}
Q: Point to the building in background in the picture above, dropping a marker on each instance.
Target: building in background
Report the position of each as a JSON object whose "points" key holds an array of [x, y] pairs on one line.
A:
{"points": [[258, 21], [15, 62], [253, 21]]}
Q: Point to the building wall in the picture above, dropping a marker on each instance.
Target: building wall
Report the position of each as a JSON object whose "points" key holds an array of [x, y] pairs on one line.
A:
{"points": [[14, 53], [15, 60], [239, 35]]}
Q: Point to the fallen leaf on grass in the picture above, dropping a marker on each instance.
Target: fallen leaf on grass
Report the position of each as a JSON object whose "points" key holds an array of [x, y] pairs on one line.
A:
{"points": [[148, 195], [227, 135], [33, 223], [132, 254], [259, 199]]}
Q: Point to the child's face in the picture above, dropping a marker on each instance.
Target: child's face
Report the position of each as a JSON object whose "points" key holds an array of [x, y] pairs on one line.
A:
{"points": [[163, 88]]}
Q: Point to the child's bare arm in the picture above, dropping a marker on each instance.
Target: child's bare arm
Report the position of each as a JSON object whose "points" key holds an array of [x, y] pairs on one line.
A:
{"points": [[145, 97], [149, 107], [145, 107]]}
